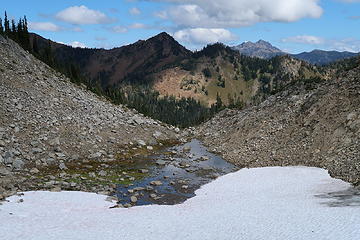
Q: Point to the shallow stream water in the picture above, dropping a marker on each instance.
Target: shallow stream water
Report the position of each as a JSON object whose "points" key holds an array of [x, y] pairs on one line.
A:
{"points": [[173, 178]]}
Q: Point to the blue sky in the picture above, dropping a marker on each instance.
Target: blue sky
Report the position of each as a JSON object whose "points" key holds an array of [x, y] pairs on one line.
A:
{"points": [[291, 25]]}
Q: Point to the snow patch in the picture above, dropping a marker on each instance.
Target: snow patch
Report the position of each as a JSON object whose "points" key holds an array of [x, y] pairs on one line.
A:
{"points": [[262, 203]]}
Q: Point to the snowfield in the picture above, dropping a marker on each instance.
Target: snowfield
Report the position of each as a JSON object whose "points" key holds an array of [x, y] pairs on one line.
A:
{"points": [[263, 203]]}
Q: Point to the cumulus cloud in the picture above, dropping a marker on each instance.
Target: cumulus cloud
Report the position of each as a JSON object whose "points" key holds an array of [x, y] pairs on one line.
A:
{"points": [[134, 11], [82, 15], [305, 39], [44, 26], [346, 44], [119, 29], [203, 35], [77, 29], [137, 26], [77, 44], [238, 13]]}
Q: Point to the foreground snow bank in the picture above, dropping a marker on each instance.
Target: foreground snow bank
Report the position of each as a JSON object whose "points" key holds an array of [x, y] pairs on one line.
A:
{"points": [[264, 203]]}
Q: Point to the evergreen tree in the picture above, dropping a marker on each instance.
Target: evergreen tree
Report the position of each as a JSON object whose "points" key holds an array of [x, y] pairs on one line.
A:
{"points": [[6, 25], [218, 104], [1, 27], [35, 47]]}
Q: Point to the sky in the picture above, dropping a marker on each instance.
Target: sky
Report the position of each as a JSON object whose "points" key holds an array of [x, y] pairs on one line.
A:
{"points": [[291, 25]]}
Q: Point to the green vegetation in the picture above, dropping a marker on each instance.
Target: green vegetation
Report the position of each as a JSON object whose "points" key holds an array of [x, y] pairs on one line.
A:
{"points": [[182, 112]]}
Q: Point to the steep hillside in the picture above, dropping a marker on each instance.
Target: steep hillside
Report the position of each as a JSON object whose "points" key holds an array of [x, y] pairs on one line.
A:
{"points": [[47, 124], [218, 71], [309, 123], [131, 63]]}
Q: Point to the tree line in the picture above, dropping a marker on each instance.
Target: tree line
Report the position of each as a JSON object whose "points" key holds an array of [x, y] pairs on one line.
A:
{"points": [[182, 112], [17, 31]]}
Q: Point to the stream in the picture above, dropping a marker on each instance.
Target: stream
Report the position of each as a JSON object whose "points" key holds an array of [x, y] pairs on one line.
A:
{"points": [[173, 175]]}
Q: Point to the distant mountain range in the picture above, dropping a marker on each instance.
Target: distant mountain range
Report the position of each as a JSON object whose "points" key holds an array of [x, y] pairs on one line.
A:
{"points": [[162, 64], [265, 50]]}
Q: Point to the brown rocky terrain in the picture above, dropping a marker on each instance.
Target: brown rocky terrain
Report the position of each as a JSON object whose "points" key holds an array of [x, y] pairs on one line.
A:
{"points": [[51, 130], [309, 123]]}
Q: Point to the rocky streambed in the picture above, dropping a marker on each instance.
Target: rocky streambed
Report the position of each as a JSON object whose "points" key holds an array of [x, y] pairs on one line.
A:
{"points": [[167, 173], [172, 175]]}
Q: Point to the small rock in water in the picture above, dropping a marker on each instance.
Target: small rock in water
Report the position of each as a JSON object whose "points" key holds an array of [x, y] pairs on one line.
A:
{"points": [[143, 171], [187, 149], [153, 195], [111, 199], [160, 162], [102, 173], [133, 199], [127, 205], [184, 186], [150, 148], [156, 183]]}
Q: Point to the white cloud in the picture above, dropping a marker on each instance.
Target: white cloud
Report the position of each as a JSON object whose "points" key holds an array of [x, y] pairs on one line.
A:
{"points": [[77, 44], [82, 15], [239, 13], [349, 1], [134, 11], [44, 26], [119, 29], [77, 29], [161, 14], [305, 39], [137, 26], [346, 44], [203, 35]]}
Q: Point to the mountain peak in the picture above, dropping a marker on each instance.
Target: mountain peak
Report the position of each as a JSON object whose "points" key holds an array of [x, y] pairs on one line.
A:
{"points": [[261, 49], [163, 36]]}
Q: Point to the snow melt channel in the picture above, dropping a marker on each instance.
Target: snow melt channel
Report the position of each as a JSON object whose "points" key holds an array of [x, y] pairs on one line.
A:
{"points": [[263, 203]]}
